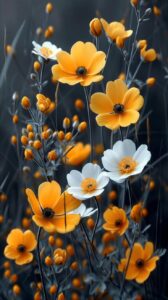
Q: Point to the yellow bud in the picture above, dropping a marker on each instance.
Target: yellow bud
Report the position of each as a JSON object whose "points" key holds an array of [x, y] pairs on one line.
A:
{"points": [[25, 102], [49, 8], [52, 155], [95, 27], [82, 127], [28, 154], [16, 289], [36, 66], [15, 119]]}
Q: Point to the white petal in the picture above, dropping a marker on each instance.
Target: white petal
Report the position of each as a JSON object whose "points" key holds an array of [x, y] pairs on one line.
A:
{"points": [[102, 180], [124, 148], [91, 170], [142, 155], [89, 212], [80, 210], [108, 164], [74, 178]]}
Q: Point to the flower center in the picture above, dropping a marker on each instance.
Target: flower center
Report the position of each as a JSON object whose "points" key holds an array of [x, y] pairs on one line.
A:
{"points": [[118, 108], [81, 71], [118, 223], [48, 213], [46, 52], [21, 248], [127, 165], [89, 185], [140, 263]]}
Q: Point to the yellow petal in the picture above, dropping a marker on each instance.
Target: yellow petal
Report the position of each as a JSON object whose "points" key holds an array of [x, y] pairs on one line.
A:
{"points": [[150, 265], [116, 91], [11, 252], [29, 240], [148, 250], [24, 258], [15, 237], [66, 204], [90, 79], [33, 202], [137, 252], [100, 103], [142, 276], [97, 63], [132, 271], [133, 99], [49, 194], [66, 62], [43, 222], [82, 53], [66, 223], [128, 117], [110, 121], [62, 76]]}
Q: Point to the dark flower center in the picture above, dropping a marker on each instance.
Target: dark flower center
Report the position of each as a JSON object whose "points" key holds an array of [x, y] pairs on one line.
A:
{"points": [[21, 248], [118, 223], [81, 71], [48, 212], [140, 263], [127, 166], [118, 108]]}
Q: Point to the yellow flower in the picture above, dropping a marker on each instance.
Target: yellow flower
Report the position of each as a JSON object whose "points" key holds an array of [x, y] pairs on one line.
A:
{"points": [[20, 245], [137, 212], [95, 27], [82, 65], [119, 106], [77, 155], [116, 32], [44, 104], [116, 220], [148, 55], [52, 210], [141, 262]]}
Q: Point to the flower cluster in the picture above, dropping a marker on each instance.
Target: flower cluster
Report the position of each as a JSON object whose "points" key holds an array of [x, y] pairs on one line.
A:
{"points": [[85, 172]]}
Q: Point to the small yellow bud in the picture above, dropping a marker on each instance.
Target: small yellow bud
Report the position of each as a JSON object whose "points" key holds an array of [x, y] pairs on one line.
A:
{"points": [[28, 154], [49, 8], [95, 27], [25, 102], [37, 66], [15, 119], [82, 127]]}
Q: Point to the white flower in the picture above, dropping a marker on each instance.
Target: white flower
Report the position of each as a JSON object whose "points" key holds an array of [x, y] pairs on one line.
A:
{"points": [[83, 211], [47, 50], [124, 160], [88, 183]]}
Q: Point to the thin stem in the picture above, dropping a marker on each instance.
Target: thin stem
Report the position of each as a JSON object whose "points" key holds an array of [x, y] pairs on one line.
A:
{"points": [[97, 220], [40, 264], [89, 123]]}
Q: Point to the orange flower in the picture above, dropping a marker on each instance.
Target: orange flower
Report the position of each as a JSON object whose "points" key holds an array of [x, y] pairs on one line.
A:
{"points": [[117, 222], [44, 104], [52, 209], [148, 55], [77, 155], [116, 32], [20, 244], [118, 107], [139, 263], [82, 65]]}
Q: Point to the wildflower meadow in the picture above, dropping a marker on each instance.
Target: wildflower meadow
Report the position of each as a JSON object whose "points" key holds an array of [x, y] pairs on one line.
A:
{"points": [[84, 150]]}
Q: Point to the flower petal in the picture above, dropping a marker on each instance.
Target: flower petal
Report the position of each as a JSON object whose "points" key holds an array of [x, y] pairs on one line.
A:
{"points": [[90, 79], [91, 171], [82, 53], [66, 62], [116, 90], [110, 121], [25, 258], [66, 223], [128, 117], [97, 64], [33, 202], [75, 178], [133, 99], [29, 240], [100, 103], [49, 193], [11, 252], [15, 237], [66, 204]]}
